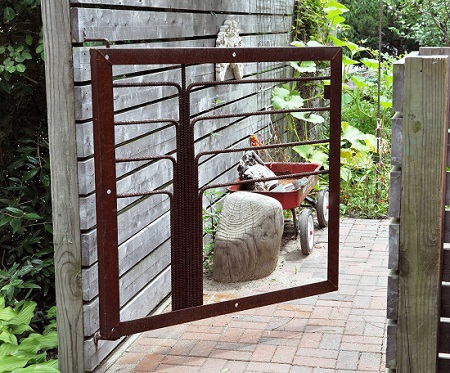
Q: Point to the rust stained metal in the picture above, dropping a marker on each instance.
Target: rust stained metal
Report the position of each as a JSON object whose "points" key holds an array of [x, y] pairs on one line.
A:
{"points": [[186, 197]]}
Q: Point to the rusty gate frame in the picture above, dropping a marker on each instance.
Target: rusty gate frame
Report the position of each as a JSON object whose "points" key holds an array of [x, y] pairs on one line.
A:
{"points": [[186, 198]]}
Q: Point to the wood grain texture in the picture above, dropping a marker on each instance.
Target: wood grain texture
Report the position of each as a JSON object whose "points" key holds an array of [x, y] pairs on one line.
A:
{"points": [[249, 6], [66, 222], [423, 162], [133, 25]]}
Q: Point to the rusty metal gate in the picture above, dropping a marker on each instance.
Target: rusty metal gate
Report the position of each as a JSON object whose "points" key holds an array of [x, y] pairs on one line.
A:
{"points": [[186, 196]]}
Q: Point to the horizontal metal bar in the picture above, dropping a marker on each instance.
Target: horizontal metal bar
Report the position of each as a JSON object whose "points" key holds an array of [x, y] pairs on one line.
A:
{"points": [[175, 56], [262, 147], [217, 309], [142, 194]]}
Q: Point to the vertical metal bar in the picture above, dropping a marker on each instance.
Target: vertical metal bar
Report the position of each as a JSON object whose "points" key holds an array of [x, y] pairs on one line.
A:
{"points": [[335, 162], [187, 275], [106, 200]]}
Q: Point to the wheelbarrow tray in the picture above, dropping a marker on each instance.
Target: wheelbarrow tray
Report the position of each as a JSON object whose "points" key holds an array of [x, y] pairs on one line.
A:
{"points": [[293, 198]]}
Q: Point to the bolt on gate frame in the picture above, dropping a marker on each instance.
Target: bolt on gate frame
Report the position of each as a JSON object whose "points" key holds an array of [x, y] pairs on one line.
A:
{"points": [[186, 196]]}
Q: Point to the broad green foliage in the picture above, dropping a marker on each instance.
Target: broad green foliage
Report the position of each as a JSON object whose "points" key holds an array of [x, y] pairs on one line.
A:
{"points": [[363, 173], [22, 349]]}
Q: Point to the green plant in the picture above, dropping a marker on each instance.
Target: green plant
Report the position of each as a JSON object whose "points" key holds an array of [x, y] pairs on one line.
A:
{"points": [[360, 172], [26, 262], [22, 349], [26, 252], [211, 215]]}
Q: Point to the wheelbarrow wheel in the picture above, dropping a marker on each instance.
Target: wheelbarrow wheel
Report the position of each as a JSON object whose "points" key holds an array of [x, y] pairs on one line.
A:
{"points": [[322, 207], [306, 228]]}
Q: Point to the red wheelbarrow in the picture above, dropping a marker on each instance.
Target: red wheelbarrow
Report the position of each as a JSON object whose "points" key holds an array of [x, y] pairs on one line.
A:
{"points": [[295, 194]]}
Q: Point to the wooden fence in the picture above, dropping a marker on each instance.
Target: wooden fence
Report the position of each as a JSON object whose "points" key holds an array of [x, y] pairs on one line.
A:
{"points": [[418, 291], [143, 223]]}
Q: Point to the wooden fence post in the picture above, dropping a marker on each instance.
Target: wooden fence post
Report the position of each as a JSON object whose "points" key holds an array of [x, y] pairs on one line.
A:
{"points": [[425, 119], [64, 183]]}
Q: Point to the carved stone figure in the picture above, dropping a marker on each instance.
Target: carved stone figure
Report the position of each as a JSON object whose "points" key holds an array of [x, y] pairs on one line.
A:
{"points": [[248, 237], [229, 37]]}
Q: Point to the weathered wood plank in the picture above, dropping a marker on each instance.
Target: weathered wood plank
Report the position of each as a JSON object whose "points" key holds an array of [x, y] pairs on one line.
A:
{"points": [[134, 279], [131, 97], [66, 223], [394, 238], [423, 159], [140, 306], [98, 351], [392, 297], [396, 140], [205, 100], [395, 193], [129, 25], [136, 246], [249, 6], [391, 348], [434, 51], [398, 85]]}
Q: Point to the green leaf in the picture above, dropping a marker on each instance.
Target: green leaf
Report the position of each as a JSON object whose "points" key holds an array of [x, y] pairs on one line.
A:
{"points": [[5, 220], [11, 69], [28, 39], [2, 49], [15, 225], [370, 63], [346, 174], [45, 179], [8, 337], [15, 211], [309, 117], [283, 98], [7, 314], [359, 81], [304, 151], [40, 368], [40, 48], [385, 102], [30, 174], [32, 216], [9, 14], [21, 68], [304, 66], [348, 61], [11, 363]]}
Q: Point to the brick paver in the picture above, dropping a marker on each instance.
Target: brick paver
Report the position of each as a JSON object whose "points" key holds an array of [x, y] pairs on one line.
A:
{"points": [[340, 332]]}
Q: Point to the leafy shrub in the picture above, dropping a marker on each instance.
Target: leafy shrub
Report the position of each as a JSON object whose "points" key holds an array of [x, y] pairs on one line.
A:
{"points": [[25, 228], [22, 349], [26, 251], [365, 111]]}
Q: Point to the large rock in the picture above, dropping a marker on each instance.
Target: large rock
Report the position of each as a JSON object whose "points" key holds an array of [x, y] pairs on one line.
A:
{"points": [[248, 237]]}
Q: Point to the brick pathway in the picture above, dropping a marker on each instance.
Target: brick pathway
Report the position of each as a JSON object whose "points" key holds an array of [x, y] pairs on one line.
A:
{"points": [[340, 332]]}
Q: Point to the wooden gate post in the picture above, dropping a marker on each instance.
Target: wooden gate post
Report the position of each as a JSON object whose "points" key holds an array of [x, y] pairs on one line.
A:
{"points": [[425, 119], [64, 182]]}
